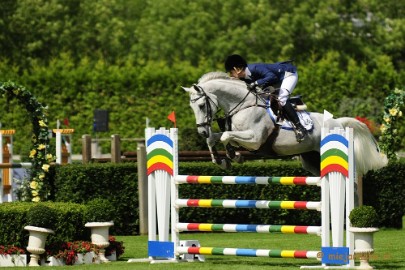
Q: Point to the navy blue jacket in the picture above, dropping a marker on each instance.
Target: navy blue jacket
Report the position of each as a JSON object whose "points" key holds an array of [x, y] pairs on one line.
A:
{"points": [[270, 74]]}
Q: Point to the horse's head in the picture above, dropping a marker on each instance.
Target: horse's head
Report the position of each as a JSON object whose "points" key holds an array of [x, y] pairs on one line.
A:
{"points": [[204, 108]]}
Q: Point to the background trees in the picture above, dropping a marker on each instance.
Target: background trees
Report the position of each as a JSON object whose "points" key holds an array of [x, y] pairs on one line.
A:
{"points": [[132, 56]]}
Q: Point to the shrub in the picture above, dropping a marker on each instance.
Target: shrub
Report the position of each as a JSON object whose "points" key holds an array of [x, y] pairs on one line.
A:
{"points": [[42, 216], [69, 223], [116, 183], [99, 210], [384, 189], [363, 217]]}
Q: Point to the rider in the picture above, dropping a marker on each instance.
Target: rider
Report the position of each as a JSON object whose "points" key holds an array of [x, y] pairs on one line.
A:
{"points": [[263, 75]]}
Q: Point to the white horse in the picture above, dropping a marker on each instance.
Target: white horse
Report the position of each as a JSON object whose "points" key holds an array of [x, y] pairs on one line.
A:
{"points": [[251, 125]]}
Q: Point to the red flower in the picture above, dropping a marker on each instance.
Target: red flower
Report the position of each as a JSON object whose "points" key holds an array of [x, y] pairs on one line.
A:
{"points": [[369, 123], [115, 246], [10, 250]]}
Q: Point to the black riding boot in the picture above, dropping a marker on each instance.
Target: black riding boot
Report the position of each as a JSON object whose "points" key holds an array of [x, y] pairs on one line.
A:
{"points": [[291, 115]]}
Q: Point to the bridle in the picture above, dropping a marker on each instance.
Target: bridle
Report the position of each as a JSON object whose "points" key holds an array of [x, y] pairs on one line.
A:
{"points": [[208, 102]]}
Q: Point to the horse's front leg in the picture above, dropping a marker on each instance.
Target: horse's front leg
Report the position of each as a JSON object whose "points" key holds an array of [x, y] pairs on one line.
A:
{"points": [[248, 139], [216, 159], [211, 141]]}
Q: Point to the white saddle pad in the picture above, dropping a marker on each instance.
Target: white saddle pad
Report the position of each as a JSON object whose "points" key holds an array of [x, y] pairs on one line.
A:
{"points": [[304, 116], [305, 120]]}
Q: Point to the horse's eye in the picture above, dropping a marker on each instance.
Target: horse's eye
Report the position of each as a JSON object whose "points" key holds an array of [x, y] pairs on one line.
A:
{"points": [[201, 105]]}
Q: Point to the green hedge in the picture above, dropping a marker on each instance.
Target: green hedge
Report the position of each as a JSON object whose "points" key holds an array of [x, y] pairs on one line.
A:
{"points": [[385, 190], [115, 182], [69, 225]]}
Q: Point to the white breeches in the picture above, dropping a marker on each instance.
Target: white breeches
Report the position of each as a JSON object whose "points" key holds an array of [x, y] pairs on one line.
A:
{"points": [[287, 86]]}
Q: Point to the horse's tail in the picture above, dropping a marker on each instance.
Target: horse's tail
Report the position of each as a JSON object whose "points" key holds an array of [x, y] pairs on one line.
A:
{"points": [[366, 151]]}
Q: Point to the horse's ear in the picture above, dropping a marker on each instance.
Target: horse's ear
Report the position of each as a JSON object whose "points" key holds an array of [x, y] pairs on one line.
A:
{"points": [[186, 89]]}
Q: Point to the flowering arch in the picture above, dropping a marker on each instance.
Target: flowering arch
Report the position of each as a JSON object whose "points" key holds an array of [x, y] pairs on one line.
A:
{"points": [[393, 106], [39, 172]]}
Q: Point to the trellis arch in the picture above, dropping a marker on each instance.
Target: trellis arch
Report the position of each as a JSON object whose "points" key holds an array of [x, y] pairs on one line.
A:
{"points": [[39, 154]]}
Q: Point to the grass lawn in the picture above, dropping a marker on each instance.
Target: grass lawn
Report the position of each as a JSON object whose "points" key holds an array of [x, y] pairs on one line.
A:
{"points": [[389, 252]]}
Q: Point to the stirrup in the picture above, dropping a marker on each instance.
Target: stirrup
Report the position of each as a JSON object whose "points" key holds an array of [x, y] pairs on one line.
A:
{"points": [[279, 121], [300, 134]]}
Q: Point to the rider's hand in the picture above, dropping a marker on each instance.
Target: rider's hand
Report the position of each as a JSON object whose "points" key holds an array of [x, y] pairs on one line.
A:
{"points": [[252, 86]]}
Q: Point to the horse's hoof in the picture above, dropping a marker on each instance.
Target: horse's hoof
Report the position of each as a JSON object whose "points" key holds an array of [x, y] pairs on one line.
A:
{"points": [[226, 164], [217, 161]]}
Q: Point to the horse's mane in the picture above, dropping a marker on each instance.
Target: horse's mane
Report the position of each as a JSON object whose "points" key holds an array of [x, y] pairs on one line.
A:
{"points": [[214, 75]]}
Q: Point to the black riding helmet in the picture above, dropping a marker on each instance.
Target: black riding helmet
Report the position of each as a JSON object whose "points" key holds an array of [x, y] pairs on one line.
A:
{"points": [[234, 60]]}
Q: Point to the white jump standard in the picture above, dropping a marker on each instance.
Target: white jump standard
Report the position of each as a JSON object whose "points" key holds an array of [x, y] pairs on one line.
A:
{"points": [[337, 197]]}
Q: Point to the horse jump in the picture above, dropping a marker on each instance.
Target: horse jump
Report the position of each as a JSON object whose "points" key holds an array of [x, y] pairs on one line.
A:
{"points": [[336, 183]]}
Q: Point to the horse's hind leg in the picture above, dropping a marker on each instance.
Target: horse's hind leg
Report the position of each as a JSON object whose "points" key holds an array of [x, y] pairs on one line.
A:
{"points": [[311, 161]]}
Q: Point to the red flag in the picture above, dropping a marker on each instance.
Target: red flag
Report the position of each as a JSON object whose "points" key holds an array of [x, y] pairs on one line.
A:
{"points": [[66, 122], [172, 117]]}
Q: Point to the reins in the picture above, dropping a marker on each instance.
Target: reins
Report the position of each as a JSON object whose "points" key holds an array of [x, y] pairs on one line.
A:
{"points": [[256, 104]]}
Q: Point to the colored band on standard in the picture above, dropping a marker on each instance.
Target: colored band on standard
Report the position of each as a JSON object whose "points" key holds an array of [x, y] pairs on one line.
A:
{"points": [[334, 138], [248, 204], [334, 155], [159, 138], [159, 166], [287, 229], [302, 254], [160, 157], [199, 179]]}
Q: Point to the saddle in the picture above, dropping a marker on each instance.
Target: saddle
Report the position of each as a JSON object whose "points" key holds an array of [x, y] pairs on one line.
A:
{"points": [[296, 102], [270, 94]]}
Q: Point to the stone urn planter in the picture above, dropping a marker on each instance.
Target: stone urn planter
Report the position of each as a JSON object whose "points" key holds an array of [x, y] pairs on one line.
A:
{"points": [[363, 221], [99, 215], [363, 245], [36, 242], [99, 236], [41, 221]]}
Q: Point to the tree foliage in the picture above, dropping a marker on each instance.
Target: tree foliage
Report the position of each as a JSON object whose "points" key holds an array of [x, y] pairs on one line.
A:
{"points": [[132, 56]]}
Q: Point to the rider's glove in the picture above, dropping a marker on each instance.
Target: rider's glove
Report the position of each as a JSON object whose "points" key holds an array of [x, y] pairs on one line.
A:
{"points": [[252, 86]]}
